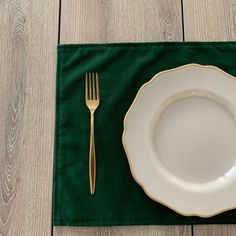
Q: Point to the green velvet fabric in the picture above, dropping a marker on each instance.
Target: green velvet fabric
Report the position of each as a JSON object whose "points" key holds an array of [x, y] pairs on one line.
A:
{"points": [[123, 68]]}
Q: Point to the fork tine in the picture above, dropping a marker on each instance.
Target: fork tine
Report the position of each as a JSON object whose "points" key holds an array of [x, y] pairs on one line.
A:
{"points": [[97, 87], [90, 87], [94, 92], [86, 86]]}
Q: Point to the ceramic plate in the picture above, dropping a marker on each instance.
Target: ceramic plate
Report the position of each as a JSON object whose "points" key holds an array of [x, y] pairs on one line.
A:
{"points": [[180, 139]]}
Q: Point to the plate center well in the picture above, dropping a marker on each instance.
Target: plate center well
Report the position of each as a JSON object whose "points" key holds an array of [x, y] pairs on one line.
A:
{"points": [[195, 137]]}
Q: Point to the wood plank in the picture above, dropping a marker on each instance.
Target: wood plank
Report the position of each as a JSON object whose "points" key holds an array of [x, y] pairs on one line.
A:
{"points": [[120, 21], [210, 20], [216, 230], [28, 38], [94, 21], [123, 231]]}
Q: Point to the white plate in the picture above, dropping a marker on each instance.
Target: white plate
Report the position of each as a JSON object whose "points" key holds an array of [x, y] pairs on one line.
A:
{"points": [[180, 139]]}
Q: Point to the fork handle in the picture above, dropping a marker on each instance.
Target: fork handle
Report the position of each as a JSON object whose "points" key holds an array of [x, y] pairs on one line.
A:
{"points": [[92, 157]]}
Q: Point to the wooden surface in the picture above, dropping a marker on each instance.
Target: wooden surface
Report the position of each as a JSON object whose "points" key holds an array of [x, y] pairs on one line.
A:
{"points": [[28, 35], [209, 20], [124, 231], [29, 32], [120, 20]]}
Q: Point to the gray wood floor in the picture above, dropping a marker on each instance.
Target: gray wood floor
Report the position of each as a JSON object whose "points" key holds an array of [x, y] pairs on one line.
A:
{"points": [[29, 33]]}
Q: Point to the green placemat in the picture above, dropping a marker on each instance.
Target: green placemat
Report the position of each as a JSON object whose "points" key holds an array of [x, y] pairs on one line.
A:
{"points": [[123, 68]]}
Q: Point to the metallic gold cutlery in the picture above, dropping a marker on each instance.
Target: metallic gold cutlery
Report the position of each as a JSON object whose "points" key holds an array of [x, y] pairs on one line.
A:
{"points": [[92, 98]]}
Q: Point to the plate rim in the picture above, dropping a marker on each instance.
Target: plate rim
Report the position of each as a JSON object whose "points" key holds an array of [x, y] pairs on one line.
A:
{"points": [[125, 130]]}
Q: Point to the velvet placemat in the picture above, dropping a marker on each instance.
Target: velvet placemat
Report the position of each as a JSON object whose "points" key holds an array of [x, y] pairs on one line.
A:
{"points": [[123, 68]]}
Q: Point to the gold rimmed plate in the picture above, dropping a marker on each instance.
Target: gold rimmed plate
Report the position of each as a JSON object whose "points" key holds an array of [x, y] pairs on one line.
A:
{"points": [[180, 139]]}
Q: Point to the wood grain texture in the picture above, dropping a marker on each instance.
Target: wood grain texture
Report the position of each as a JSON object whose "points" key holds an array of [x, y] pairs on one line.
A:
{"points": [[28, 38], [210, 20], [95, 21], [123, 231], [215, 230], [120, 21]]}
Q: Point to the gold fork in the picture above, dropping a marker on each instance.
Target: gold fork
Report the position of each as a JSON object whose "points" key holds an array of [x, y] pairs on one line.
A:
{"points": [[92, 98]]}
